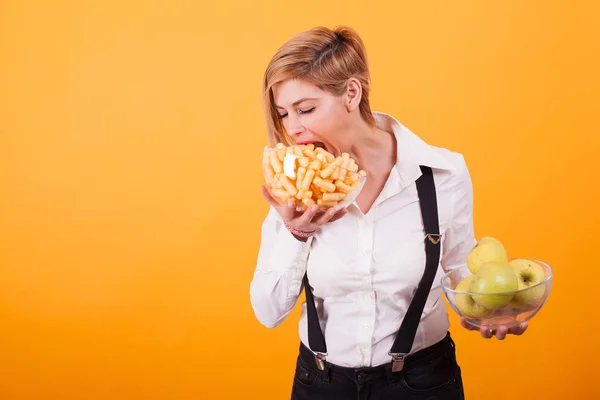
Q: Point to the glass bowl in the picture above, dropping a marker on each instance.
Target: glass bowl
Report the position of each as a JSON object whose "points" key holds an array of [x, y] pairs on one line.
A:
{"points": [[497, 308], [311, 176]]}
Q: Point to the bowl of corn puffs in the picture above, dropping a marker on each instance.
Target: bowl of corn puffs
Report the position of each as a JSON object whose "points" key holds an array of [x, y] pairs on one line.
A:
{"points": [[311, 175]]}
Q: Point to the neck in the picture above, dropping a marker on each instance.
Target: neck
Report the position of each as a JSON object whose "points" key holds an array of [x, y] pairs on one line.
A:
{"points": [[373, 149]]}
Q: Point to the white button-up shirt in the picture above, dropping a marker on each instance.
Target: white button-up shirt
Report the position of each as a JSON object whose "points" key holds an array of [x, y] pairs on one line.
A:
{"points": [[365, 268]]}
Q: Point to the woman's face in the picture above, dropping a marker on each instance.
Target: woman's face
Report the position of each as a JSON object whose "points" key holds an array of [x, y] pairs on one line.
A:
{"points": [[311, 115]]}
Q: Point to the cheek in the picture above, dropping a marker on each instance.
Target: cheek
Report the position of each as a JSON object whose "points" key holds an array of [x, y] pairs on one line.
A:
{"points": [[328, 123]]}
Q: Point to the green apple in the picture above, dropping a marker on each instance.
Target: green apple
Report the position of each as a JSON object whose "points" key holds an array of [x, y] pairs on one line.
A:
{"points": [[491, 283], [529, 274], [487, 249], [465, 303]]}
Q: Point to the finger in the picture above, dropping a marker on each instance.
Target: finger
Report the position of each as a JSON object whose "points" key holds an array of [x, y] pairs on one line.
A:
{"points": [[486, 332], [287, 211], [306, 218], [338, 215], [501, 332], [524, 326], [267, 196], [518, 330], [325, 217]]}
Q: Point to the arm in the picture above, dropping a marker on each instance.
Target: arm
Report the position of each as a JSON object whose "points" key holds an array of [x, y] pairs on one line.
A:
{"points": [[460, 237], [277, 281]]}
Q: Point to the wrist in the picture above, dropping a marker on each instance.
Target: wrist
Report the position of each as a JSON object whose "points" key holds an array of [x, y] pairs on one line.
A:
{"points": [[300, 235]]}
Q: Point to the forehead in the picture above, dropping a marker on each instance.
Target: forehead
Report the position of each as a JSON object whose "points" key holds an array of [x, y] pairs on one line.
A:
{"points": [[287, 92]]}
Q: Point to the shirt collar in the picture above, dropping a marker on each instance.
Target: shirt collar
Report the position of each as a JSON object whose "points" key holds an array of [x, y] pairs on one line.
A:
{"points": [[412, 151]]}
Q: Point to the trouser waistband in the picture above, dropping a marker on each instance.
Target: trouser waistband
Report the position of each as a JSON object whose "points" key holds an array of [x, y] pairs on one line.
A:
{"points": [[419, 358]]}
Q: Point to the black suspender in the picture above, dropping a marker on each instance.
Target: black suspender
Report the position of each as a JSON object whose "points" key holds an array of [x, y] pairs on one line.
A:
{"points": [[408, 329], [316, 341], [429, 212]]}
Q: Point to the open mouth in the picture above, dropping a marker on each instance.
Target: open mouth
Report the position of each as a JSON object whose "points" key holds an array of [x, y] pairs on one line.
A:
{"points": [[319, 144]]}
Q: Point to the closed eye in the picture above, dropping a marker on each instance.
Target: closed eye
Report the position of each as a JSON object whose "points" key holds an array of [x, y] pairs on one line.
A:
{"points": [[306, 111], [301, 112]]}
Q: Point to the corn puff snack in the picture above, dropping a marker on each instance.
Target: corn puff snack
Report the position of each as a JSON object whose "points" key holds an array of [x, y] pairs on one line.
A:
{"points": [[311, 176]]}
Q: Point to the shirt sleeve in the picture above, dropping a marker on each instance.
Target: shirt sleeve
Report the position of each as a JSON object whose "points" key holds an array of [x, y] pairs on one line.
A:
{"points": [[281, 265], [460, 237]]}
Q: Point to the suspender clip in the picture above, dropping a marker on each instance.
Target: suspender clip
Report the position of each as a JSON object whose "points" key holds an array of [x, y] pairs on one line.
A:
{"points": [[434, 237], [397, 361], [320, 360]]}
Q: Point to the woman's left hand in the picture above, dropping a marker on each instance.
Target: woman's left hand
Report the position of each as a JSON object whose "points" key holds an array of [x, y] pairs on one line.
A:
{"points": [[488, 332]]}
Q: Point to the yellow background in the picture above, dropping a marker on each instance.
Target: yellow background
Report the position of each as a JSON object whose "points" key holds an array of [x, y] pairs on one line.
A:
{"points": [[130, 137]]}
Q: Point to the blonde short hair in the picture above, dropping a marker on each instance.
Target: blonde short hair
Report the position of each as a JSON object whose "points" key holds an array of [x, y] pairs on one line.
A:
{"points": [[324, 57]]}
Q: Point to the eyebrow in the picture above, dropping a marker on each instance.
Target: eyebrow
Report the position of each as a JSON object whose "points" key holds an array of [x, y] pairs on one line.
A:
{"points": [[302, 100]]}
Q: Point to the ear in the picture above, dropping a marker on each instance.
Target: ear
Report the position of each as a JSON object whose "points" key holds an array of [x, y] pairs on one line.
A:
{"points": [[353, 94]]}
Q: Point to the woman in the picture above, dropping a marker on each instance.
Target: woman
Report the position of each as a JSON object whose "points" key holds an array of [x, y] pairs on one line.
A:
{"points": [[374, 325]]}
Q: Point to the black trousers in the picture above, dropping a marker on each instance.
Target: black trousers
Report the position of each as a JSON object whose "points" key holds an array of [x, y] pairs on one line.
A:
{"points": [[431, 373]]}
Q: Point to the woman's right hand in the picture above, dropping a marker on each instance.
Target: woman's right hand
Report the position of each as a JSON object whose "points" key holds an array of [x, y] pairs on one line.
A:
{"points": [[307, 221]]}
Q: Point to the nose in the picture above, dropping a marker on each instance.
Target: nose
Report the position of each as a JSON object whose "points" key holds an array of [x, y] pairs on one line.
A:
{"points": [[293, 125]]}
